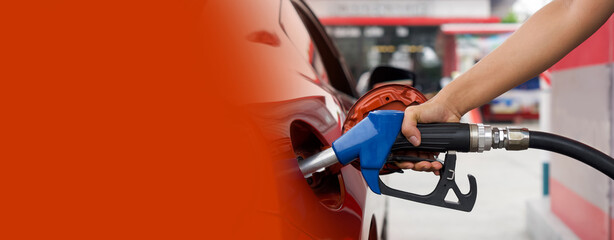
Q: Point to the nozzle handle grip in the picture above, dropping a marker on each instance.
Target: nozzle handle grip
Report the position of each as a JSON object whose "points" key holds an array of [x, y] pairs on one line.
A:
{"points": [[438, 137]]}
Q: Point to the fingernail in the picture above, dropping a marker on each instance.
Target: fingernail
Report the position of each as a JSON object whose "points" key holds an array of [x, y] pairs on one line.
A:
{"points": [[413, 140]]}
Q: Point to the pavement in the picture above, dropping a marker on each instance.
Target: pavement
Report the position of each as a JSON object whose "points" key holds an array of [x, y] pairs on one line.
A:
{"points": [[506, 181]]}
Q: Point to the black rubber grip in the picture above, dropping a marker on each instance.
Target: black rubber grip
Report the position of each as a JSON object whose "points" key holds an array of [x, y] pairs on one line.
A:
{"points": [[438, 137]]}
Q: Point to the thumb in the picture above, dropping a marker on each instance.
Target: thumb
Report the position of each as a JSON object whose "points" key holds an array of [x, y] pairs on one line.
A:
{"points": [[408, 128]]}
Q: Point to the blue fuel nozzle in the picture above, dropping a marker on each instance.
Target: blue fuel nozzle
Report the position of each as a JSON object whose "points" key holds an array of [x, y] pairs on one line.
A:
{"points": [[371, 140]]}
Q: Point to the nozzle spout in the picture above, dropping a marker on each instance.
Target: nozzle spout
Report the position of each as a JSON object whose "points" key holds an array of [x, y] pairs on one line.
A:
{"points": [[318, 161]]}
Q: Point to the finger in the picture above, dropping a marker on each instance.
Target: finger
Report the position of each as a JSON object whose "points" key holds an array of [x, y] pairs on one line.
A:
{"points": [[436, 173], [408, 128], [422, 166], [436, 166], [405, 165]]}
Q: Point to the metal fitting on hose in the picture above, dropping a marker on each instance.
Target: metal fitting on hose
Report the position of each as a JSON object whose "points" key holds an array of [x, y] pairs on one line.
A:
{"points": [[484, 137], [499, 136], [517, 138], [481, 136]]}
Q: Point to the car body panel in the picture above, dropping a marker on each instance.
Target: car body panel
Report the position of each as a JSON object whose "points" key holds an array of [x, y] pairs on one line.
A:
{"points": [[290, 93]]}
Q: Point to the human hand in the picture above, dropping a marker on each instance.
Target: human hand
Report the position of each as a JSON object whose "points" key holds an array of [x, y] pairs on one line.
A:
{"points": [[428, 166], [429, 112]]}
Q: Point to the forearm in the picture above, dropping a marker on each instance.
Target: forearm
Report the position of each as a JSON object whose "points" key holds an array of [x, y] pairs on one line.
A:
{"points": [[539, 43]]}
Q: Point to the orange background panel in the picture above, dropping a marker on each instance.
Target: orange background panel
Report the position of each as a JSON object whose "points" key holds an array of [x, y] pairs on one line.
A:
{"points": [[118, 122]]}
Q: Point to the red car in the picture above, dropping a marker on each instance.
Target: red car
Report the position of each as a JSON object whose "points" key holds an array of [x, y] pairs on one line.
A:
{"points": [[301, 98], [126, 120], [300, 108]]}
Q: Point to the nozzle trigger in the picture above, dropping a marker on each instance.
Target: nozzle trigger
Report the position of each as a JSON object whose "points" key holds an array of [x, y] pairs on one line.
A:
{"points": [[437, 197]]}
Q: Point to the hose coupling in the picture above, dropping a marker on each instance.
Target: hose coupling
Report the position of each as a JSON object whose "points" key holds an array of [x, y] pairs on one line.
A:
{"points": [[484, 138], [516, 139]]}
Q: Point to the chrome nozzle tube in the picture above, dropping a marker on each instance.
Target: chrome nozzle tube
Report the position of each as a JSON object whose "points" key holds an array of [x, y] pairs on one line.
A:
{"points": [[317, 161]]}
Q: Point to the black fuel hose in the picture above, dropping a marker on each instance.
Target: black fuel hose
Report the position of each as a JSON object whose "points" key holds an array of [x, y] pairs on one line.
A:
{"points": [[573, 149]]}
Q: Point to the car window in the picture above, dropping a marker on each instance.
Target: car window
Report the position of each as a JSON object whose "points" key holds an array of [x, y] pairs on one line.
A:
{"points": [[338, 74], [297, 33]]}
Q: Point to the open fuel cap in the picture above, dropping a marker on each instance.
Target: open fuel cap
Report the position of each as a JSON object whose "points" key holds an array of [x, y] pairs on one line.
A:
{"points": [[386, 97]]}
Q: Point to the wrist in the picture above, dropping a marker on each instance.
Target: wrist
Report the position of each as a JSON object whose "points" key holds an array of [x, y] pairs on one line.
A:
{"points": [[450, 107], [461, 95]]}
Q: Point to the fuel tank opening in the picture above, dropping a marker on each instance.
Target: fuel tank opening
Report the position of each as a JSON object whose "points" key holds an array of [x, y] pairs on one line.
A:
{"points": [[327, 184]]}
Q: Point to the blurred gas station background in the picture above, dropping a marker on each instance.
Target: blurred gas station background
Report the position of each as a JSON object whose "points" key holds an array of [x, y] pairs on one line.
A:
{"points": [[523, 195], [436, 40]]}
